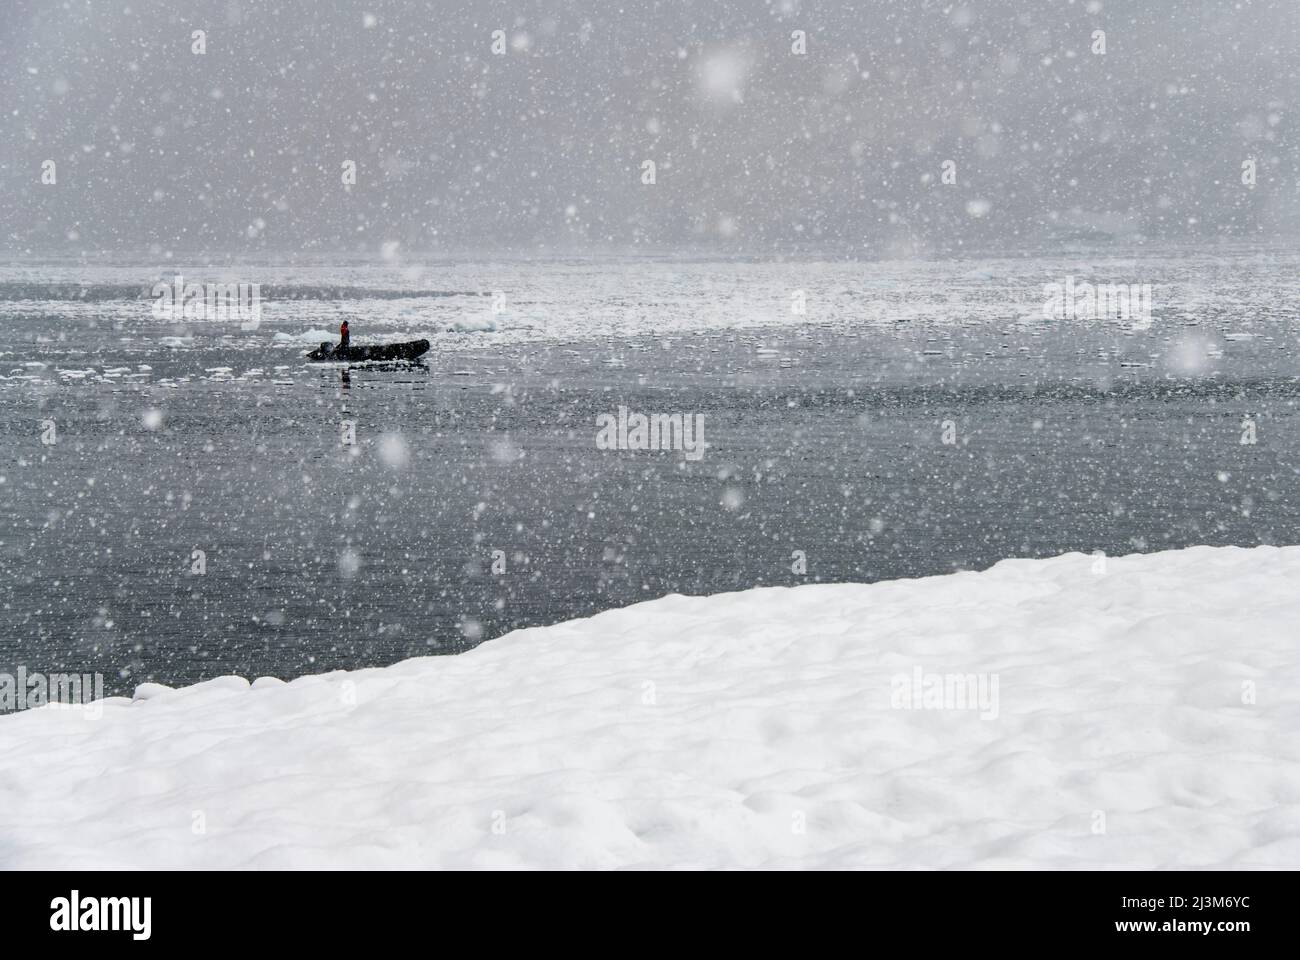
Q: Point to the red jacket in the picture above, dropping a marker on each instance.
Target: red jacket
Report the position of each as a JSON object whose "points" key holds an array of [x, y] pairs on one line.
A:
{"points": [[343, 332]]}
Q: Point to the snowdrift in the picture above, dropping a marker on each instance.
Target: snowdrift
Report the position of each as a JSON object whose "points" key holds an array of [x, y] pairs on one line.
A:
{"points": [[1137, 712]]}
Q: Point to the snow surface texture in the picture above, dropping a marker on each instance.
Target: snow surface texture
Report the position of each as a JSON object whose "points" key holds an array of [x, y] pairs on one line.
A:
{"points": [[1157, 699]]}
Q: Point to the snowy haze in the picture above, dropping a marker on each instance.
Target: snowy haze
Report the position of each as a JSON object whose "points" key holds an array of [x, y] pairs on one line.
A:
{"points": [[758, 150]]}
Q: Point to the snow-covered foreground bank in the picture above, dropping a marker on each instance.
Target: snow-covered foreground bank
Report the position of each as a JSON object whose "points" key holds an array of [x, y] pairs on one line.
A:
{"points": [[1145, 715]]}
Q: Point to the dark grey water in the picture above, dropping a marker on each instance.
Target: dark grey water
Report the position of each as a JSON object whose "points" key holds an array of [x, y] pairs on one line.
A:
{"points": [[321, 555]]}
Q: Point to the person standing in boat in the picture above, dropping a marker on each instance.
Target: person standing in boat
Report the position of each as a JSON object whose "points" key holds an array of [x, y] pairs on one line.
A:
{"points": [[343, 336]]}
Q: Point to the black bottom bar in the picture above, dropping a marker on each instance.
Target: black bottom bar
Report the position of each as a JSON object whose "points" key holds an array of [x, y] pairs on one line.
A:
{"points": [[335, 910]]}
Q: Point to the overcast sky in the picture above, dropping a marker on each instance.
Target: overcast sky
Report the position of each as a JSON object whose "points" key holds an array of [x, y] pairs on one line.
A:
{"points": [[757, 149]]}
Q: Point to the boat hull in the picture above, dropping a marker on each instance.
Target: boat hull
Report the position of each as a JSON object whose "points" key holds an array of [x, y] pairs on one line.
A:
{"points": [[410, 350]]}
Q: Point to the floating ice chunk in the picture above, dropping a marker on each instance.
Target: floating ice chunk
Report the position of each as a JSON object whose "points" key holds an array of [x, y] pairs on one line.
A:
{"points": [[474, 325]]}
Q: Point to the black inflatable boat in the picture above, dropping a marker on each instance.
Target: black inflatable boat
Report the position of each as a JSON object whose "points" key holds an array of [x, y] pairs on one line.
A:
{"points": [[410, 350]]}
